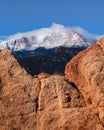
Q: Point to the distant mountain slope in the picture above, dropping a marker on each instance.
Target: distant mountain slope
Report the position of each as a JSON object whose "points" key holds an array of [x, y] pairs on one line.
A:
{"points": [[53, 60], [47, 49]]}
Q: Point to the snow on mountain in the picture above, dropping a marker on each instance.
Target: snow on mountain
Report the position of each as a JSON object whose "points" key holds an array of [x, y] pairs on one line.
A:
{"points": [[55, 36]]}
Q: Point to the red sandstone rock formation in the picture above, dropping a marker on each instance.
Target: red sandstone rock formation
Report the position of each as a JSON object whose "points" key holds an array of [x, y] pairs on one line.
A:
{"points": [[49, 102], [86, 71]]}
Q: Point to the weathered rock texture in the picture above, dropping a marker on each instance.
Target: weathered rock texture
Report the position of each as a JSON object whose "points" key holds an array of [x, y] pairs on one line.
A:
{"points": [[49, 102], [86, 71]]}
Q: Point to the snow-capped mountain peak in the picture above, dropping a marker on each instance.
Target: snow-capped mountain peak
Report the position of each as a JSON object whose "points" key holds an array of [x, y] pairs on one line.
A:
{"points": [[52, 37]]}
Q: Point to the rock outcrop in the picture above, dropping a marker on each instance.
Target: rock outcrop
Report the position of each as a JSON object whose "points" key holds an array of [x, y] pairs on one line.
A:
{"points": [[50, 102], [86, 71]]}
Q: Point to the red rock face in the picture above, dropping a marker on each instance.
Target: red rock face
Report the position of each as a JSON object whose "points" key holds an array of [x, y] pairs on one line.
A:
{"points": [[86, 70], [49, 102]]}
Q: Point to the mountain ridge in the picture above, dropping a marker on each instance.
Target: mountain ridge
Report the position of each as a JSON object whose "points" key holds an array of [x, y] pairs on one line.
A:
{"points": [[52, 37]]}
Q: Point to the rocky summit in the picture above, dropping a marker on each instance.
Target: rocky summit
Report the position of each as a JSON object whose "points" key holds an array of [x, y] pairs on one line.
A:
{"points": [[53, 102]]}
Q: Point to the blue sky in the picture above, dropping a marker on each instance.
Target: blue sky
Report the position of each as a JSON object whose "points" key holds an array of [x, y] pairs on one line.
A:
{"points": [[26, 15]]}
